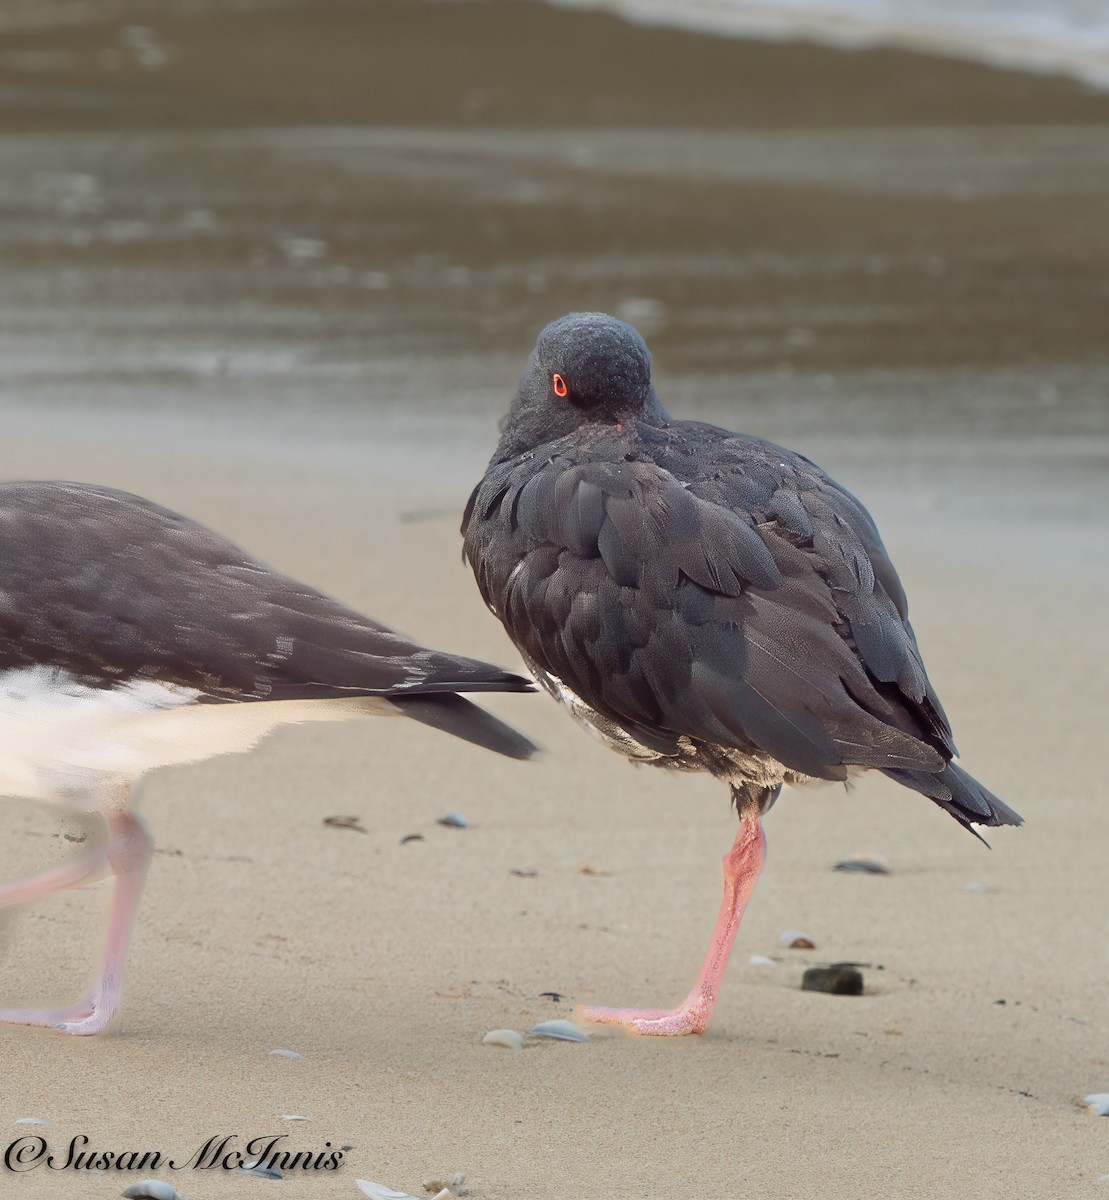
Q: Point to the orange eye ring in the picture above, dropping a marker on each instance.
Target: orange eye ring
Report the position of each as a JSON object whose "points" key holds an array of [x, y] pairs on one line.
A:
{"points": [[559, 385]]}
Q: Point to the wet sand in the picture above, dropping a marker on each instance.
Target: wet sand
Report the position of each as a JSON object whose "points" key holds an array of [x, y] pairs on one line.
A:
{"points": [[280, 270]]}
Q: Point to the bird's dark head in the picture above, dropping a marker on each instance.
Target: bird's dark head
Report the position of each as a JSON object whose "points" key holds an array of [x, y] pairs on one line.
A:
{"points": [[586, 368]]}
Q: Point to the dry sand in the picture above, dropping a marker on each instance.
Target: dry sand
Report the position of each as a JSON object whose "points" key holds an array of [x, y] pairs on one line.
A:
{"points": [[937, 349]]}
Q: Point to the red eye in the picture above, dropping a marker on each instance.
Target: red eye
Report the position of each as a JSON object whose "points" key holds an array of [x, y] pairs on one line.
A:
{"points": [[559, 385]]}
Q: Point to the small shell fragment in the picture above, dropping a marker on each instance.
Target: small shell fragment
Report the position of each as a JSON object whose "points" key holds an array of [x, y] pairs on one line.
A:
{"points": [[760, 960], [260, 1171], [557, 997], [561, 1031], [523, 872], [794, 939], [455, 1186], [1097, 1105], [454, 820], [354, 823], [286, 1054], [863, 864], [151, 1189], [504, 1037], [32, 1121], [377, 1191], [294, 1117], [412, 837]]}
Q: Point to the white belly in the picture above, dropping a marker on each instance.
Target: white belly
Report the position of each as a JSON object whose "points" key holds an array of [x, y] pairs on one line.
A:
{"points": [[60, 739]]}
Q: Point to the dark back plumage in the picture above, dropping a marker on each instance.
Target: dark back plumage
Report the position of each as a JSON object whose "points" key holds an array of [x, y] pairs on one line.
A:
{"points": [[687, 582], [110, 587]]}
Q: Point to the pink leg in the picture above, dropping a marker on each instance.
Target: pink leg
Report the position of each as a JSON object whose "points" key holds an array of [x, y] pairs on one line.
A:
{"points": [[128, 856], [742, 865], [71, 873]]}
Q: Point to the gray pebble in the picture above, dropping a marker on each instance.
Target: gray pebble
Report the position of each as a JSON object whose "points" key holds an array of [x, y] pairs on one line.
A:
{"points": [[863, 864], [840, 979]]}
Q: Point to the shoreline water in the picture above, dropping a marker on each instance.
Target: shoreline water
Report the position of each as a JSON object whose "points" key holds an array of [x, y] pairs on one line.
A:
{"points": [[1045, 38]]}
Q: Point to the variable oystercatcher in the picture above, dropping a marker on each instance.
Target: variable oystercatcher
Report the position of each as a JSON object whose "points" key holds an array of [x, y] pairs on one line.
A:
{"points": [[132, 637], [703, 601]]}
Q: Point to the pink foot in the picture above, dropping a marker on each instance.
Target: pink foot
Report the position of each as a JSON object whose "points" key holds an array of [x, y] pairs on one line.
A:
{"points": [[73, 1018], [650, 1022], [741, 868], [128, 854]]}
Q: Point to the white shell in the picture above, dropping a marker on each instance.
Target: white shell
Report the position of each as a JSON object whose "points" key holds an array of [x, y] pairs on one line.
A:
{"points": [[260, 1171], [294, 1117], [32, 1121], [286, 1054], [1097, 1105], [760, 960], [377, 1191], [152, 1189], [561, 1031], [504, 1037]]}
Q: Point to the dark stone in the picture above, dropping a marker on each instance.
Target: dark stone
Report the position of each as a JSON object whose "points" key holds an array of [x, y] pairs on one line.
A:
{"points": [[840, 979]]}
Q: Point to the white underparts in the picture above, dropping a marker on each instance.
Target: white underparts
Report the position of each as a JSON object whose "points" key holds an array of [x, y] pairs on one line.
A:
{"points": [[61, 739]]}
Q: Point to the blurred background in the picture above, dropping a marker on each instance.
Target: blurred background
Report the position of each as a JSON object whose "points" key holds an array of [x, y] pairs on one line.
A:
{"points": [[336, 226]]}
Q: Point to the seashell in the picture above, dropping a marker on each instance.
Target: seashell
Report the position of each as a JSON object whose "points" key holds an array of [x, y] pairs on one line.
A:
{"points": [[454, 821], [794, 939], [561, 1031], [760, 960], [260, 1171], [354, 823], [557, 997], [32, 1121], [1097, 1105], [455, 1186], [377, 1191], [151, 1189], [286, 1054], [296, 1118], [504, 1037], [412, 837], [863, 864]]}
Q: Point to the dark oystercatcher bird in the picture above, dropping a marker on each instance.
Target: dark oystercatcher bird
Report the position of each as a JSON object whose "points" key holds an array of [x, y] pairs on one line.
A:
{"points": [[703, 601], [132, 637]]}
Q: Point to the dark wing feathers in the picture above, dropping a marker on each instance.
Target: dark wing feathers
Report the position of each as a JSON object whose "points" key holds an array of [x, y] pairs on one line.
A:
{"points": [[456, 715], [696, 583], [103, 583], [959, 794]]}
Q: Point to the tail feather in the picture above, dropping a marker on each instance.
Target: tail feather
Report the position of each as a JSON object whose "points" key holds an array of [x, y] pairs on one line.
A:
{"points": [[959, 794], [456, 715]]}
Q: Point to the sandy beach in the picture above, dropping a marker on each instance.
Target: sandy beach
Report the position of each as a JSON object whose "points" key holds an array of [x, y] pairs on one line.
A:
{"points": [[280, 267]]}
